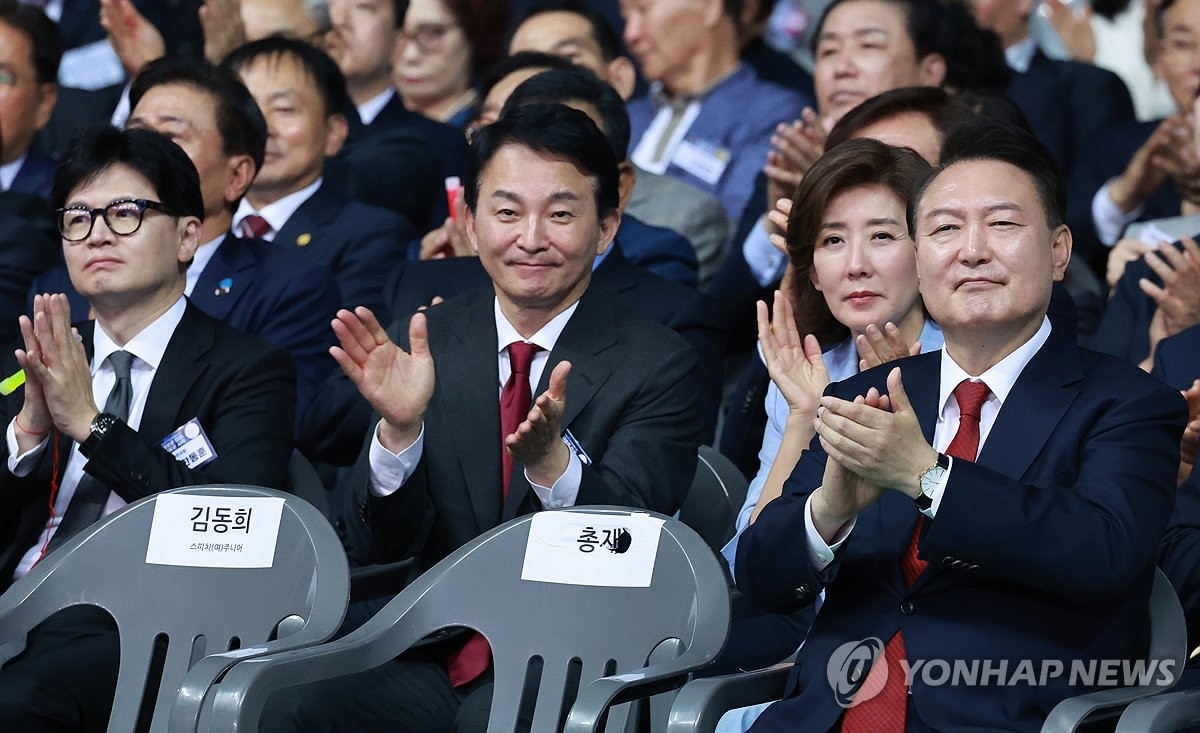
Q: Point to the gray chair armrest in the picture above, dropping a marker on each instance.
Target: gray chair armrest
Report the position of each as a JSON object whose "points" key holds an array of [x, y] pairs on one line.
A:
{"points": [[701, 703], [1170, 712], [1070, 713], [597, 697]]}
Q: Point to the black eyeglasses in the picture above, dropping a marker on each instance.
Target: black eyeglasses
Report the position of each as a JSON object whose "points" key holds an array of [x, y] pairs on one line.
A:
{"points": [[123, 217]]}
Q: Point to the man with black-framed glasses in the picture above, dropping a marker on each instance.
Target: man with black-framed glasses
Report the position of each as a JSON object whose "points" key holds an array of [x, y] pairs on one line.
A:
{"points": [[153, 394]]}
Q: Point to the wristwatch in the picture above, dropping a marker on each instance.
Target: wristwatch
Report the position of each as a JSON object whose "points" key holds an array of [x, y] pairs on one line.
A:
{"points": [[929, 479], [101, 424]]}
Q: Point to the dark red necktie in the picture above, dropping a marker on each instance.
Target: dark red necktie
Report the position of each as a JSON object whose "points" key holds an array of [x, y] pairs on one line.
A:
{"points": [[515, 400], [255, 227], [887, 711]]}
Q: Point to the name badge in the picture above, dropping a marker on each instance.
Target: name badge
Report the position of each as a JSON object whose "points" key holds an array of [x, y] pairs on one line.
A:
{"points": [[702, 159], [189, 444]]}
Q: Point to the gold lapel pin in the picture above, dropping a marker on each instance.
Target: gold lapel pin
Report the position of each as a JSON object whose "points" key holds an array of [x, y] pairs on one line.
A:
{"points": [[304, 239]]}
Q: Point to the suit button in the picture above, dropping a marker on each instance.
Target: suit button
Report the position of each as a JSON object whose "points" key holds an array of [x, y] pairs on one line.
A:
{"points": [[908, 608], [948, 561], [137, 476], [972, 567], [803, 592]]}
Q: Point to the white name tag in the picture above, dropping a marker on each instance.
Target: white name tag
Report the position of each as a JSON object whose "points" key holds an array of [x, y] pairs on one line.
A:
{"points": [[189, 444], [214, 531], [703, 160], [592, 549]]}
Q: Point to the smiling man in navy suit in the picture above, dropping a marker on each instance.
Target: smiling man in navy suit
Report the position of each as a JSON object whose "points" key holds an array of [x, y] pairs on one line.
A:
{"points": [[996, 501]]}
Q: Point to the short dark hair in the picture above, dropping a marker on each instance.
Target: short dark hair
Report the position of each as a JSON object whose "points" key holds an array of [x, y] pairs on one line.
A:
{"points": [[45, 39], [548, 128], [151, 155], [861, 162], [400, 8], [941, 107], [577, 84], [239, 121], [317, 65], [521, 60], [602, 32], [974, 56], [986, 139], [481, 22]]}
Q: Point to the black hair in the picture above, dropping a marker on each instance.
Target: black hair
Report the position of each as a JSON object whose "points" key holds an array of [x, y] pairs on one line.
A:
{"points": [[522, 60], [603, 33], [986, 139], [577, 84], [548, 128], [45, 39], [317, 65], [151, 155], [239, 121]]}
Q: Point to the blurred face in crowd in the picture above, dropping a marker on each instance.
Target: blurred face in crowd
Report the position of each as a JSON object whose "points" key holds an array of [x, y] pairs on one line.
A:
{"points": [[1178, 61], [986, 255], [864, 49], [489, 111], [907, 130], [300, 132], [188, 116], [433, 65], [665, 35], [864, 263], [1008, 18], [363, 40], [572, 37], [263, 18], [25, 105], [537, 229], [146, 266]]}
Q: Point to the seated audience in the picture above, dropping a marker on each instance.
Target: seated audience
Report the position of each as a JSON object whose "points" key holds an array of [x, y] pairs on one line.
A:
{"points": [[301, 94], [130, 218], [31, 47], [998, 492], [623, 386]]}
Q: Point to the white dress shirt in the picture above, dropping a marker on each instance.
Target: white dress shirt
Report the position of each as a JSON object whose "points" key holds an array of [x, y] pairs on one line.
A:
{"points": [[147, 348], [9, 171], [999, 379], [204, 253], [276, 213], [370, 109], [389, 471]]}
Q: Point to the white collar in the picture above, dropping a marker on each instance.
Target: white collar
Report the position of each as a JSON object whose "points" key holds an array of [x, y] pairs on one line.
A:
{"points": [[1020, 55], [277, 212], [370, 109], [546, 337], [9, 171], [148, 345], [1001, 377]]}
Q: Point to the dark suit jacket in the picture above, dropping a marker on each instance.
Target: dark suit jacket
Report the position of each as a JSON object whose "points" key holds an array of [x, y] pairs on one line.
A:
{"points": [[631, 403], [1177, 358], [35, 176], [1179, 553], [659, 250], [447, 140], [1042, 549], [25, 253], [271, 293], [357, 242], [242, 391], [333, 428]]}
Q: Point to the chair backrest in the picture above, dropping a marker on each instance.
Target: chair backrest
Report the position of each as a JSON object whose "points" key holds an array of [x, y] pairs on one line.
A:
{"points": [[195, 611], [304, 481], [715, 498]]}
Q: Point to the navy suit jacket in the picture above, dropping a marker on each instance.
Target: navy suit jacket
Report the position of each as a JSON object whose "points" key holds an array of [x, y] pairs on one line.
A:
{"points": [[1177, 358], [1179, 553], [631, 403], [25, 253], [257, 288], [659, 250], [334, 427], [239, 388], [1043, 549], [36, 175], [357, 242]]}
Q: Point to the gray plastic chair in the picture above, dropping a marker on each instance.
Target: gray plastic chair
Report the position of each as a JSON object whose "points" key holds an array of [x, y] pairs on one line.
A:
{"points": [[715, 498], [701, 703], [304, 481], [301, 599], [598, 638]]}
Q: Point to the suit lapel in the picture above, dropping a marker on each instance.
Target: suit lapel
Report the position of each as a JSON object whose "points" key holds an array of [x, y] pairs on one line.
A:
{"points": [[470, 397], [304, 227], [588, 333], [181, 366], [227, 277], [615, 271]]}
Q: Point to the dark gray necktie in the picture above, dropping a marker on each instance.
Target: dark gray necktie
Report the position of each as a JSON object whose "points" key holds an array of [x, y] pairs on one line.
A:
{"points": [[91, 495]]}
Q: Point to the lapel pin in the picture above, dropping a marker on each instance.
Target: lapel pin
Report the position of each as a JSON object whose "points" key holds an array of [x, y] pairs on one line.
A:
{"points": [[304, 239], [224, 286]]}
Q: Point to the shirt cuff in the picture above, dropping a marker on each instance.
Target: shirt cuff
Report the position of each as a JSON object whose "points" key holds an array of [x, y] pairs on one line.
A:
{"points": [[938, 489], [21, 464], [819, 553], [1110, 221], [765, 261], [565, 490], [390, 470]]}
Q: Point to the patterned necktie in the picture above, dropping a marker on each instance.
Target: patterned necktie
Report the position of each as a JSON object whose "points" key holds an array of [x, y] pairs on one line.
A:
{"points": [[515, 401], [255, 227], [87, 504], [887, 711]]}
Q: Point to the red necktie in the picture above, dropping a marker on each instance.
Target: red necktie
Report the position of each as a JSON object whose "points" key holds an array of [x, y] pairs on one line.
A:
{"points": [[887, 711], [515, 400], [255, 227], [473, 658]]}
